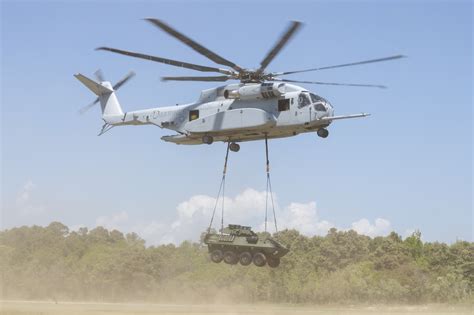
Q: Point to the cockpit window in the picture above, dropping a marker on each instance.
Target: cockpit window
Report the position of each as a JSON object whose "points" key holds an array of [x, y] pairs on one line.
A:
{"points": [[320, 107], [316, 98], [303, 100]]}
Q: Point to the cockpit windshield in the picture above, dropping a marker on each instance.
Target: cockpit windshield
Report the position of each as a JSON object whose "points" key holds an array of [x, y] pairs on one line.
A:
{"points": [[305, 99], [316, 98], [321, 104]]}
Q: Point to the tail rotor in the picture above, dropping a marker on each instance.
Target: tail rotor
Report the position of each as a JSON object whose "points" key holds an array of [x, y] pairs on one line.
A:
{"points": [[100, 78]]}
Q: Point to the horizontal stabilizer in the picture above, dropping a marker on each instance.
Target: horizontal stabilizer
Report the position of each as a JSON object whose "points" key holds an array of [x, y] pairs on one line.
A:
{"points": [[97, 88]]}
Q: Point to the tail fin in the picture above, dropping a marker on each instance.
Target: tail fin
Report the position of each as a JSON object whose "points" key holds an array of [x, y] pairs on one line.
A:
{"points": [[106, 95]]}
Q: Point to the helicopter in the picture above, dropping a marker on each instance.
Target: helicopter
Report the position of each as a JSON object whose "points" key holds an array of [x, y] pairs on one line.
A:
{"points": [[261, 106]]}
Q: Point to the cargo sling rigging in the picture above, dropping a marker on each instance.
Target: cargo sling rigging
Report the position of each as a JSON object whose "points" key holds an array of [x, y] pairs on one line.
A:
{"points": [[221, 192], [269, 189]]}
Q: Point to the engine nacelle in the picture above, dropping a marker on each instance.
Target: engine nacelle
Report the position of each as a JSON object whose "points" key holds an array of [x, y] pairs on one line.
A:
{"points": [[256, 91]]}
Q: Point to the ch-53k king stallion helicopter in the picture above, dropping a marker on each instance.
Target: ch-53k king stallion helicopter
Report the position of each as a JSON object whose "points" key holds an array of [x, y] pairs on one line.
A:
{"points": [[261, 106]]}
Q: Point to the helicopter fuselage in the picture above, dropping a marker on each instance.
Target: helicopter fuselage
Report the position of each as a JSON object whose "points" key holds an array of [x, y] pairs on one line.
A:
{"points": [[263, 105], [222, 116]]}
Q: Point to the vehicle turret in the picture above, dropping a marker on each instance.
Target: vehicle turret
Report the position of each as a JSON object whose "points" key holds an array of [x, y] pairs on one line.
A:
{"points": [[235, 229]]}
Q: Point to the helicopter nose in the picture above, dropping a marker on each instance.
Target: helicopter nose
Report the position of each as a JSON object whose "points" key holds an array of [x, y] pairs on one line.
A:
{"points": [[329, 108]]}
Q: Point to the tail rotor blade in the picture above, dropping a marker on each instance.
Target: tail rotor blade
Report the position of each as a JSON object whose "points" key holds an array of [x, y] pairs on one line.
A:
{"points": [[86, 108], [130, 75]]}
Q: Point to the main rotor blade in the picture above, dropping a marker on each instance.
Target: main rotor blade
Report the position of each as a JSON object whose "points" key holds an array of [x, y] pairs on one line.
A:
{"points": [[207, 79], [165, 60], [343, 65], [117, 85], [330, 83], [284, 38], [194, 45]]}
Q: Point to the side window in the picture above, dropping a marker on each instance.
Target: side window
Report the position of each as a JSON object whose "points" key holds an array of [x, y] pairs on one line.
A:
{"points": [[283, 105], [303, 100], [193, 114]]}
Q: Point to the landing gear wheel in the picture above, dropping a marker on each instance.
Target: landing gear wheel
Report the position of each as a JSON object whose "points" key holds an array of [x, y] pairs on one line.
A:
{"points": [[234, 147], [245, 259], [230, 258], [273, 262], [217, 256], [323, 132], [259, 260], [207, 139]]}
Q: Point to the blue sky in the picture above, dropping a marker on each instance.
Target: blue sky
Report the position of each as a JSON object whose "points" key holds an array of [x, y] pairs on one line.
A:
{"points": [[408, 166]]}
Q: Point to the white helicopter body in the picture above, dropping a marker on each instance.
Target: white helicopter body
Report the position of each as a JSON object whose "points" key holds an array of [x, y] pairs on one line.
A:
{"points": [[261, 106], [230, 113]]}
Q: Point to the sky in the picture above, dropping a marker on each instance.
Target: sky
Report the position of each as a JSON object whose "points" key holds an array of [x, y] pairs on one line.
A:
{"points": [[407, 167]]}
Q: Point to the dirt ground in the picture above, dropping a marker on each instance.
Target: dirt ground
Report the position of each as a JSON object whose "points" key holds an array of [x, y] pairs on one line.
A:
{"points": [[76, 308]]}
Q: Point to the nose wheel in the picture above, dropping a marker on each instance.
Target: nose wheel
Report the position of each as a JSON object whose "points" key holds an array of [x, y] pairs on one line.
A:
{"points": [[323, 132], [234, 147]]}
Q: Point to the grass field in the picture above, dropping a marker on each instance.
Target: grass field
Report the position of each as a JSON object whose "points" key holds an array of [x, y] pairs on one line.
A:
{"points": [[76, 308]]}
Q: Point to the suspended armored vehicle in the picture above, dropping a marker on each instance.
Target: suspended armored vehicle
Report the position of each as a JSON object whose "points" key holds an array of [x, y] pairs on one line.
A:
{"points": [[237, 243]]}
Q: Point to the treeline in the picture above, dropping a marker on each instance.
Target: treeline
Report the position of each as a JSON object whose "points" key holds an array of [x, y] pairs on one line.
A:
{"points": [[54, 263]]}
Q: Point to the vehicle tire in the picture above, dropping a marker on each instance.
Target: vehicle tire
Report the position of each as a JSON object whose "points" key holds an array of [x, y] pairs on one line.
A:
{"points": [[230, 258], [273, 262], [234, 147], [259, 260], [217, 256], [323, 132], [245, 259]]}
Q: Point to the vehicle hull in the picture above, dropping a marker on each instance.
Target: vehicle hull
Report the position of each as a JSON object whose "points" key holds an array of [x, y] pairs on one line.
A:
{"points": [[240, 243]]}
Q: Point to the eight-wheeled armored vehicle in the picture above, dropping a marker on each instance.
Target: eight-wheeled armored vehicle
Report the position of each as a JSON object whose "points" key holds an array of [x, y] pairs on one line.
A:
{"points": [[238, 243]]}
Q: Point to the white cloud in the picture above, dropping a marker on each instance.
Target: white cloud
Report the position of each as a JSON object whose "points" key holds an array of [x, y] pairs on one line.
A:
{"points": [[153, 232], [24, 195], [380, 227], [304, 218], [409, 232], [195, 213], [116, 221], [246, 208], [76, 227], [24, 201]]}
